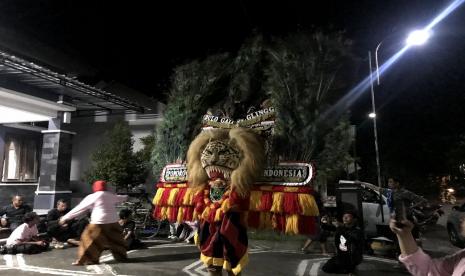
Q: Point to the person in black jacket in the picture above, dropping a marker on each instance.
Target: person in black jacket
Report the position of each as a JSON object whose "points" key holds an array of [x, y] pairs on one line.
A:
{"points": [[12, 215], [349, 246], [129, 229], [69, 232]]}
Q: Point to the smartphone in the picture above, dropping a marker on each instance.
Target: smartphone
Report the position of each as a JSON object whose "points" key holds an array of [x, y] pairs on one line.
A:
{"points": [[400, 213]]}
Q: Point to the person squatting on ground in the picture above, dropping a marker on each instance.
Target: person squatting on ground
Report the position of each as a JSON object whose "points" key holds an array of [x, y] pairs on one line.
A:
{"points": [[325, 232], [417, 262], [24, 238], [12, 215], [103, 231], [349, 246], [69, 232], [129, 229]]}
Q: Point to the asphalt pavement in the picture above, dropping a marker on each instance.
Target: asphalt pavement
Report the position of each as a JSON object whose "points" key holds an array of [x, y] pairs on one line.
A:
{"points": [[163, 257]]}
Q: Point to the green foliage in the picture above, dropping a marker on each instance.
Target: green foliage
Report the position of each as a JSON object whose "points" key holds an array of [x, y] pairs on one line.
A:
{"points": [[143, 158], [304, 77], [115, 162], [245, 88], [303, 74], [196, 86], [334, 155]]}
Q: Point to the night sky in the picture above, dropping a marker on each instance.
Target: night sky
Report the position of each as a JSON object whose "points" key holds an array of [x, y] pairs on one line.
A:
{"points": [[420, 100]]}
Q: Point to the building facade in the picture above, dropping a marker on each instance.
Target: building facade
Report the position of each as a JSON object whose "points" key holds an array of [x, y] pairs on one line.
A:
{"points": [[49, 125]]}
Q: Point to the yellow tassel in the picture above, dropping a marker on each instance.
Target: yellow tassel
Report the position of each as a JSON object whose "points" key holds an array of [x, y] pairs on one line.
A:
{"points": [[168, 212], [195, 215], [164, 212], [225, 264], [255, 200], [187, 200], [292, 224], [308, 205], [291, 189], [240, 266], [180, 217], [172, 197], [218, 214], [156, 198], [196, 239], [206, 213], [277, 206], [226, 205]]}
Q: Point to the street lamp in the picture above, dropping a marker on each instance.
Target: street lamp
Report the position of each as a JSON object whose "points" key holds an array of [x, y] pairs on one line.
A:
{"points": [[415, 38], [418, 37]]}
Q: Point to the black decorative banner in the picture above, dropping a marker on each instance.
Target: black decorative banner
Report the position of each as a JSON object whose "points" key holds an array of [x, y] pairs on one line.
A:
{"points": [[284, 174]]}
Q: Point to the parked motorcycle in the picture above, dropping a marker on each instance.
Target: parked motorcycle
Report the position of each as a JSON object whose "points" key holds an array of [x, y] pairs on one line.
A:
{"points": [[426, 215]]}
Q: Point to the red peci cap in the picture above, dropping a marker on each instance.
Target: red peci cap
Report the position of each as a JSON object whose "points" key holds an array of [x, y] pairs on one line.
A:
{"points": [[99, 185]]}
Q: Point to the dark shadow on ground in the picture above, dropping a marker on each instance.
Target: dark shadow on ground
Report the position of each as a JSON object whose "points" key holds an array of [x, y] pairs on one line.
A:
{"points": [[160, 258]]}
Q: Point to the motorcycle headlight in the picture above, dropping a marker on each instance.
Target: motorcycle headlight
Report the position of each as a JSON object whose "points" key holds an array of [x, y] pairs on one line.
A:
{"points": [[450, 190]]}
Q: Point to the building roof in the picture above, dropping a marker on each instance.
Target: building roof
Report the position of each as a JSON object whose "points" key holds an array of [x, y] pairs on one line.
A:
{"points": [[84, 97]]}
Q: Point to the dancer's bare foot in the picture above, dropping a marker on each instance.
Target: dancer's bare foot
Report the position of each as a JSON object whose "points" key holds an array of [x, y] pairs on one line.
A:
{"points": [[76, 263], [85, 263]]}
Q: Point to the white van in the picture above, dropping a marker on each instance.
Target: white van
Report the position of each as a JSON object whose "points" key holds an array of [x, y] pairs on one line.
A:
{"points": [[370, 205], [372, 209]]}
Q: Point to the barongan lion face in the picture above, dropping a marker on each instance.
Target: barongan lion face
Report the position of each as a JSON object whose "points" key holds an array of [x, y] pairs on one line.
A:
{"points": [[219, 159]]}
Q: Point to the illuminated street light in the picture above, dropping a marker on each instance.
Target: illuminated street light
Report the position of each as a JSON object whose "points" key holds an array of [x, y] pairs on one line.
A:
{"points": [[418, 37], [415, 38]]}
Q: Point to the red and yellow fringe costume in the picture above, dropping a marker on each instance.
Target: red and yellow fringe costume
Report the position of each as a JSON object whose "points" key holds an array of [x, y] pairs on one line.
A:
{"points": [[223, 224]]}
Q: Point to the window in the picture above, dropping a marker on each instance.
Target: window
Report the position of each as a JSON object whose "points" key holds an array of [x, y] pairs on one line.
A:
{"points": [[370, 196], [21, 159]]}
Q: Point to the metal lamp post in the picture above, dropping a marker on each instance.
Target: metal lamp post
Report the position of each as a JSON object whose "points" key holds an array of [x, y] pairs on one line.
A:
{"points": [[415, 38], [375, 128]]}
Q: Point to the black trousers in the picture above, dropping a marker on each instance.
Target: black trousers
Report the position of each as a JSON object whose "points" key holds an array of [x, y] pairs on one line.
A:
{"points": [[24, 249], [73, 231], [337, 266]]}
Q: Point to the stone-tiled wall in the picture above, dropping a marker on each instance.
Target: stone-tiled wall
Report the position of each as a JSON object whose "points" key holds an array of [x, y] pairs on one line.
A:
{"points": [[56, 161], [55, 169]]}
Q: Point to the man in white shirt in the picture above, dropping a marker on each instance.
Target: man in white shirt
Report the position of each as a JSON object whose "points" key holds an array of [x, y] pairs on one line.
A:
{"points": [[24, 238], [103, 231]]}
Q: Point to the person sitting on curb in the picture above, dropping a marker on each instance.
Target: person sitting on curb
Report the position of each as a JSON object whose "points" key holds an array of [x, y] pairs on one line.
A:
{"points": [[417, 262], [24, 238], [129, 228], [70, 232], [349, 246], [12, 215]]}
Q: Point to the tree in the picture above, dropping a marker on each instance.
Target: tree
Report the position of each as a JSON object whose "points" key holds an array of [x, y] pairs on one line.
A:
{"points": [[114, 161], [305, 77], [303, 74], [143, 157], [195, 87]]}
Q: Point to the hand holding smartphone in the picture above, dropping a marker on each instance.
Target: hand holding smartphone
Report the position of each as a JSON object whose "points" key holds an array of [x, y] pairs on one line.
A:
{"points": [[400, 213]]}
